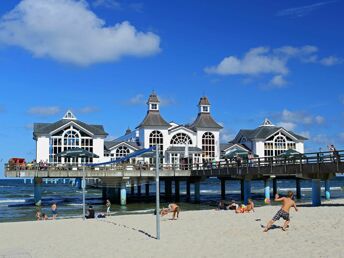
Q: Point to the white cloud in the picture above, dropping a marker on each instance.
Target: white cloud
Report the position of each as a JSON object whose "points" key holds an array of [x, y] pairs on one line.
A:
{"points": [[87, 110], [167, 101], [322, 139], [290, 126], [306, 134], [138, 99], [68, 31], [278, 81], [44, 111], [263, 60], [302, 10], [300, 117], [112, 4], [256, 61], [331, 60]]}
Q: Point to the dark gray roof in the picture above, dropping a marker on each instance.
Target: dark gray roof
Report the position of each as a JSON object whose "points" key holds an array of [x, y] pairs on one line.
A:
{"points": [[205, 120], [46, 128], [263, 132], [224, 146], [204, 101], [109, 144], [181, 149], [153, 118], [153, 98]]}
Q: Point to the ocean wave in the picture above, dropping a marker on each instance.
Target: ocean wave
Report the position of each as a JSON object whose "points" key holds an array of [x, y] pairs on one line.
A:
{"points": [[12, 200]]}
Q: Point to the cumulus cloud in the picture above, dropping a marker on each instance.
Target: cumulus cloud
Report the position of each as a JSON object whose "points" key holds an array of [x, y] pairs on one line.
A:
{"points": [[278, 81], [322, 139], [112, 4], [44, 111], [68, 31], [306, 134], [140, 99], [264, 60], [287, 125], [300, 117], [87, 110], [302, 11]]}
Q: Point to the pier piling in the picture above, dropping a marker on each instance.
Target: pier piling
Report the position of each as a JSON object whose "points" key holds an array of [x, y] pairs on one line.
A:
{"points": [[123, 194], [147, 189], [274, 186], [223, 188], [298, 188], [197, 191], [177, 190], [316, 192], [38, 190], [267, 190], [187, 189], [247, 190]]}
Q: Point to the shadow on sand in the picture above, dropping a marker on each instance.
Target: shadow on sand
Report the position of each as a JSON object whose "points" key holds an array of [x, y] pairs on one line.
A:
{"points": [[125, 226]]}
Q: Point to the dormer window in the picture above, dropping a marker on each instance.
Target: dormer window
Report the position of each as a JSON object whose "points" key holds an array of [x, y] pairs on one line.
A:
{"points": [[205, 109], [154, 106]]}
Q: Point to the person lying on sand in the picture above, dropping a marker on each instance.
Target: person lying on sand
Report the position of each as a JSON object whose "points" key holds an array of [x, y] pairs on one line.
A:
{"points": [[246, 208], [172, 207], [287, 203], [223, 206]]}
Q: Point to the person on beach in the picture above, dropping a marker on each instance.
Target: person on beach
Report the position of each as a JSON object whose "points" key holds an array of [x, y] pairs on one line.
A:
{"points": [[44, 216], [287, 203], [108, 205], [246, 208], [38, 215], [54, 210], [172, 207], [90, 213]]}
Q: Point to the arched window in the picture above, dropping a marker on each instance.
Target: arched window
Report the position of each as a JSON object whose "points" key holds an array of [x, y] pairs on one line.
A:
{"points": [[280, 145], [122, 151], [208, 146], [71, 139], [181, 138], [156, 138]]}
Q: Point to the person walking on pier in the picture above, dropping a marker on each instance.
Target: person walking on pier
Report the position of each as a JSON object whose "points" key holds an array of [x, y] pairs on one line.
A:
{"points": [[287, 203], [108, 206]]}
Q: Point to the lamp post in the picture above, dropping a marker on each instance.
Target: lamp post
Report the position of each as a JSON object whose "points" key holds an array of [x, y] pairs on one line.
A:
{"points": [[157, 208], [83, 184]]}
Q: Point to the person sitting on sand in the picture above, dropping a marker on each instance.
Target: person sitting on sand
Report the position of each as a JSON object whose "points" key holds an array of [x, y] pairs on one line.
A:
{"points": [[44, 216], [287, 203], [246, 208], [38, 215], [54, 210], [90, 213], [172, 207], [221, 206]]}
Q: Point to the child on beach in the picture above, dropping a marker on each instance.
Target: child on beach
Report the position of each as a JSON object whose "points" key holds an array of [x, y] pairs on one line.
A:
{"points": [[287, 203], [246, 208], [54, 210], [172, 207], [108, 205]]}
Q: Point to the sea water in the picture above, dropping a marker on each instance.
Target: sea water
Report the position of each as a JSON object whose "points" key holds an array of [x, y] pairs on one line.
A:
{"points": [[17, 204]]}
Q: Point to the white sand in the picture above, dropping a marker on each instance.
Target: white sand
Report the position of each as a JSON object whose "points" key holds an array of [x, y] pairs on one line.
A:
{"points": [[314, 232]]}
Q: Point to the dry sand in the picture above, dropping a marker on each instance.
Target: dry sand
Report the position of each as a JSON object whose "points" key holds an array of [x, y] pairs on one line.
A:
{"points": [[314, 232]]}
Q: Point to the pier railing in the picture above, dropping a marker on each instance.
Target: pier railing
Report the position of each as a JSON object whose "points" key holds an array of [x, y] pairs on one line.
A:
{"points": [[316, 162]]}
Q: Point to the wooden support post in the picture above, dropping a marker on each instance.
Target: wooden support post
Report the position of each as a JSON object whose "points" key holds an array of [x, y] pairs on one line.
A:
{"points": [[247, 190], [267, 190], [298, 188], [316, 192], [104, 193], [327, 190], [132, 189], [197, 191], [147, 189], [187, 189], [37, 189], [177, 190], [168, 188], [138, 189], [241, 189], [113, 194], [274, 186], [223, 188]]}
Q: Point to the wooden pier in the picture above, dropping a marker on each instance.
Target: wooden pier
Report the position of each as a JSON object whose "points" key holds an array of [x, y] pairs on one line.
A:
{"points": [[312, 166]]}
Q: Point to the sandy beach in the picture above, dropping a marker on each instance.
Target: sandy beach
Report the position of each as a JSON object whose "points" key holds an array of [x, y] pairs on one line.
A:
{"points": [[314, 232]]}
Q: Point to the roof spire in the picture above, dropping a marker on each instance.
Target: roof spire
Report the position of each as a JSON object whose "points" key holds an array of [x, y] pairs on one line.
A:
{"points": [[153, 102], [204, 105], [69, 115], [267, 122]]}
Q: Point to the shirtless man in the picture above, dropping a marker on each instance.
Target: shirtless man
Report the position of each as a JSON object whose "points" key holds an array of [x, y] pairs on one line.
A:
{"points": [[172, 207], [287, 203]]}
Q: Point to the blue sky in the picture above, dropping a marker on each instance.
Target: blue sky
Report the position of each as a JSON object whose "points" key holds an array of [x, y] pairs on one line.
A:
{"points": [[254, 59]]}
